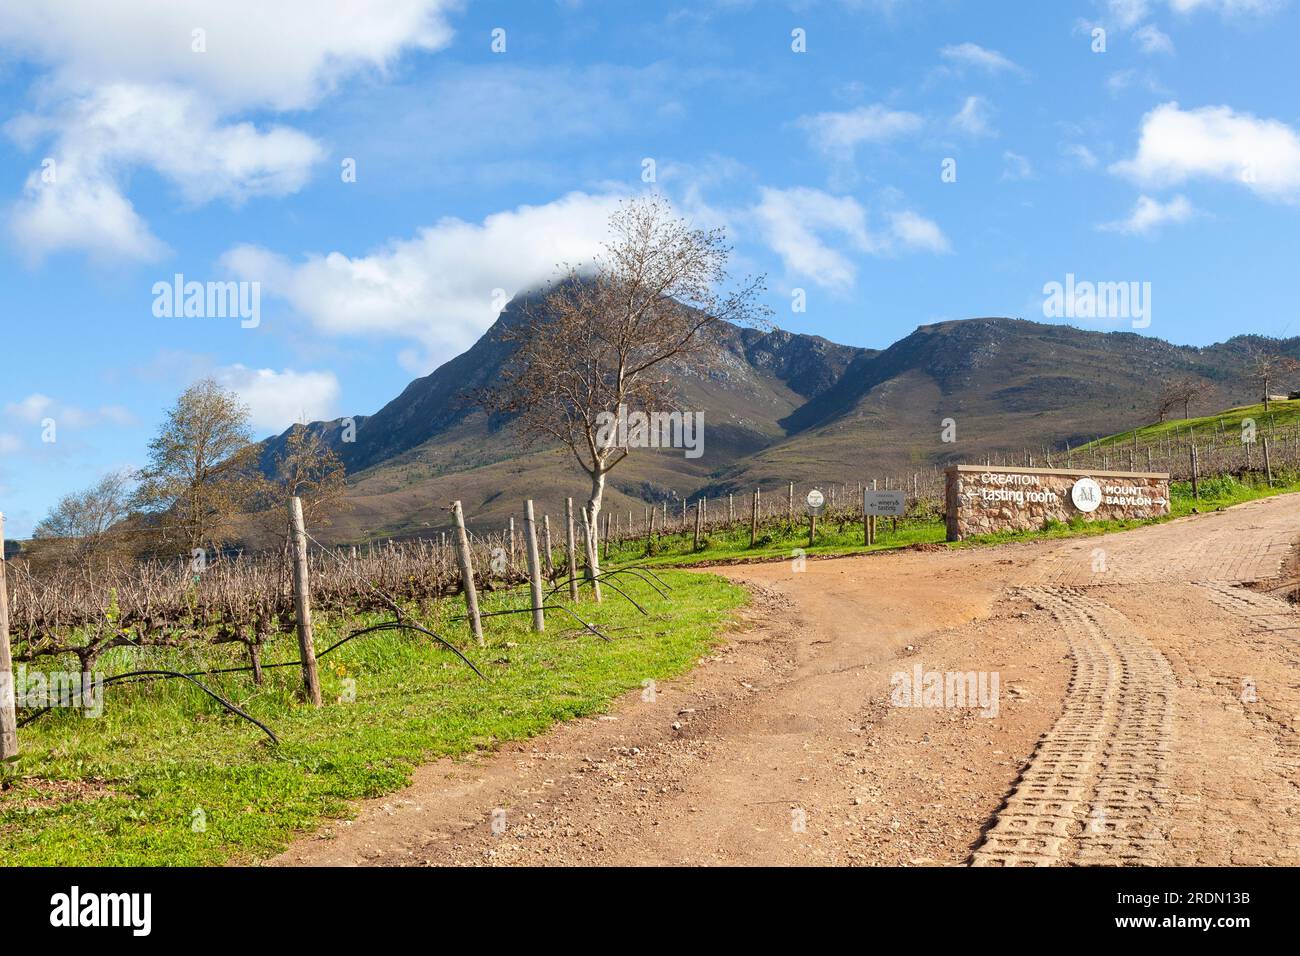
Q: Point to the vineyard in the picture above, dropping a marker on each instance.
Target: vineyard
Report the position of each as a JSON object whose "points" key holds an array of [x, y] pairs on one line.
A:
{"points": [[80, 613], [247, 600]]}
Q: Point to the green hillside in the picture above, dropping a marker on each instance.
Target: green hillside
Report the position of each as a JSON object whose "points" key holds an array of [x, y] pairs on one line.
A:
{"points": [[1280, 415]]}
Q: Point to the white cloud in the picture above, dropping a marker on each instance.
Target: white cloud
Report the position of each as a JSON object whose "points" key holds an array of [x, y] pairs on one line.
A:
{"points": [[839, 134], [282, 55], [9, 444], [1228, 8], [971, 54], [1121, 80], [1153, 40], [77, 203], [815, 233], [1127, 13], [36, 407], [278, 399], [1080, 154], [1015, 167], [31, 409], [793, 222], [974, 117], [1214, 142], [438, 287], [1149, 214], [914, 231], [126, 88]]}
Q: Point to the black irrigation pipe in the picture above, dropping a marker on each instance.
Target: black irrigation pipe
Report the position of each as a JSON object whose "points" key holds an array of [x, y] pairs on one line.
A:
{"points": [[637, 572], [134, 677], [590, 581], [120, 678], [529, 610]]}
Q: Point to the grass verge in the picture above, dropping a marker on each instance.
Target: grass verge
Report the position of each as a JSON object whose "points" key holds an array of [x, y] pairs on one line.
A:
{"points": [[166, 777], [778, 542]]}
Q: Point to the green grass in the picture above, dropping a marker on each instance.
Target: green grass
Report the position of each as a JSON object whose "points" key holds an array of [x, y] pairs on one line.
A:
{"points": [[779, 541], [776, 541], [1280, 414], [123, 789]]}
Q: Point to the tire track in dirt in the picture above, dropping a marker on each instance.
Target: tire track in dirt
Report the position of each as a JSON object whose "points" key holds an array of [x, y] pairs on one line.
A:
{"points": [[1098, 778], [1263, 612]]}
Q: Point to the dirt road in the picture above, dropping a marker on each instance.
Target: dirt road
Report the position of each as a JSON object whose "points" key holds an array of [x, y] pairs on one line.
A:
{"points": [[1147, 711]]}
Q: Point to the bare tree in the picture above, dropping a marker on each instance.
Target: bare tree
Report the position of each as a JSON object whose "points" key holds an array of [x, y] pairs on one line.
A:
{"points": [[81, 526], [605, 338], [1181, 391], [307, 468], [1268, 366], [1166, 401], [202, 468]]}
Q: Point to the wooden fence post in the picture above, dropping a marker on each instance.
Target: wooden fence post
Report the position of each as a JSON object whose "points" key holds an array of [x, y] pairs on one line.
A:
{"points": [[467, 573], [1268, 463], [607, 535], [591, 547], [790, 511], [1196, 487], [8, 692], [302, 604], [546, 537], [699, 517], [572, 558], [534, 566], [650, 528]]}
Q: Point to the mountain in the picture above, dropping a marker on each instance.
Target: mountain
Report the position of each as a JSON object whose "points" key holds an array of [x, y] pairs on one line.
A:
{"points": [[414, 455], [778, 406]]}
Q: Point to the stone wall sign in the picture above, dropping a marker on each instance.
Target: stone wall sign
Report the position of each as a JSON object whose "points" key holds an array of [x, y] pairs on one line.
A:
{"points": [[987, 499]]}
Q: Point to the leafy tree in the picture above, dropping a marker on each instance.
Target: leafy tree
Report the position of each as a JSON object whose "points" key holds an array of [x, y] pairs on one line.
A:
{"points": [[202, 468]]}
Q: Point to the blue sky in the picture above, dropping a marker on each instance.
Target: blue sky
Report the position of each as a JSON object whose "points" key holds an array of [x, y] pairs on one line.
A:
{"points": [[133, 148]]}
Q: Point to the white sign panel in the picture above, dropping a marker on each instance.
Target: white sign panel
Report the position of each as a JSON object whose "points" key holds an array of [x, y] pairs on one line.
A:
{"points": [[815, 502], [1086, 495], [884, 503]]}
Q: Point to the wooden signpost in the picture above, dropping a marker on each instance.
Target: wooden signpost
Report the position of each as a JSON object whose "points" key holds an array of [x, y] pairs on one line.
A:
{"points": [[891, 503], [816, 502]]}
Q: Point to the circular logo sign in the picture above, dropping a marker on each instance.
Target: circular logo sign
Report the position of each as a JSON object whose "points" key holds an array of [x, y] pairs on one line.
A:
{"points": [[815, 501], [1086, 495]]}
